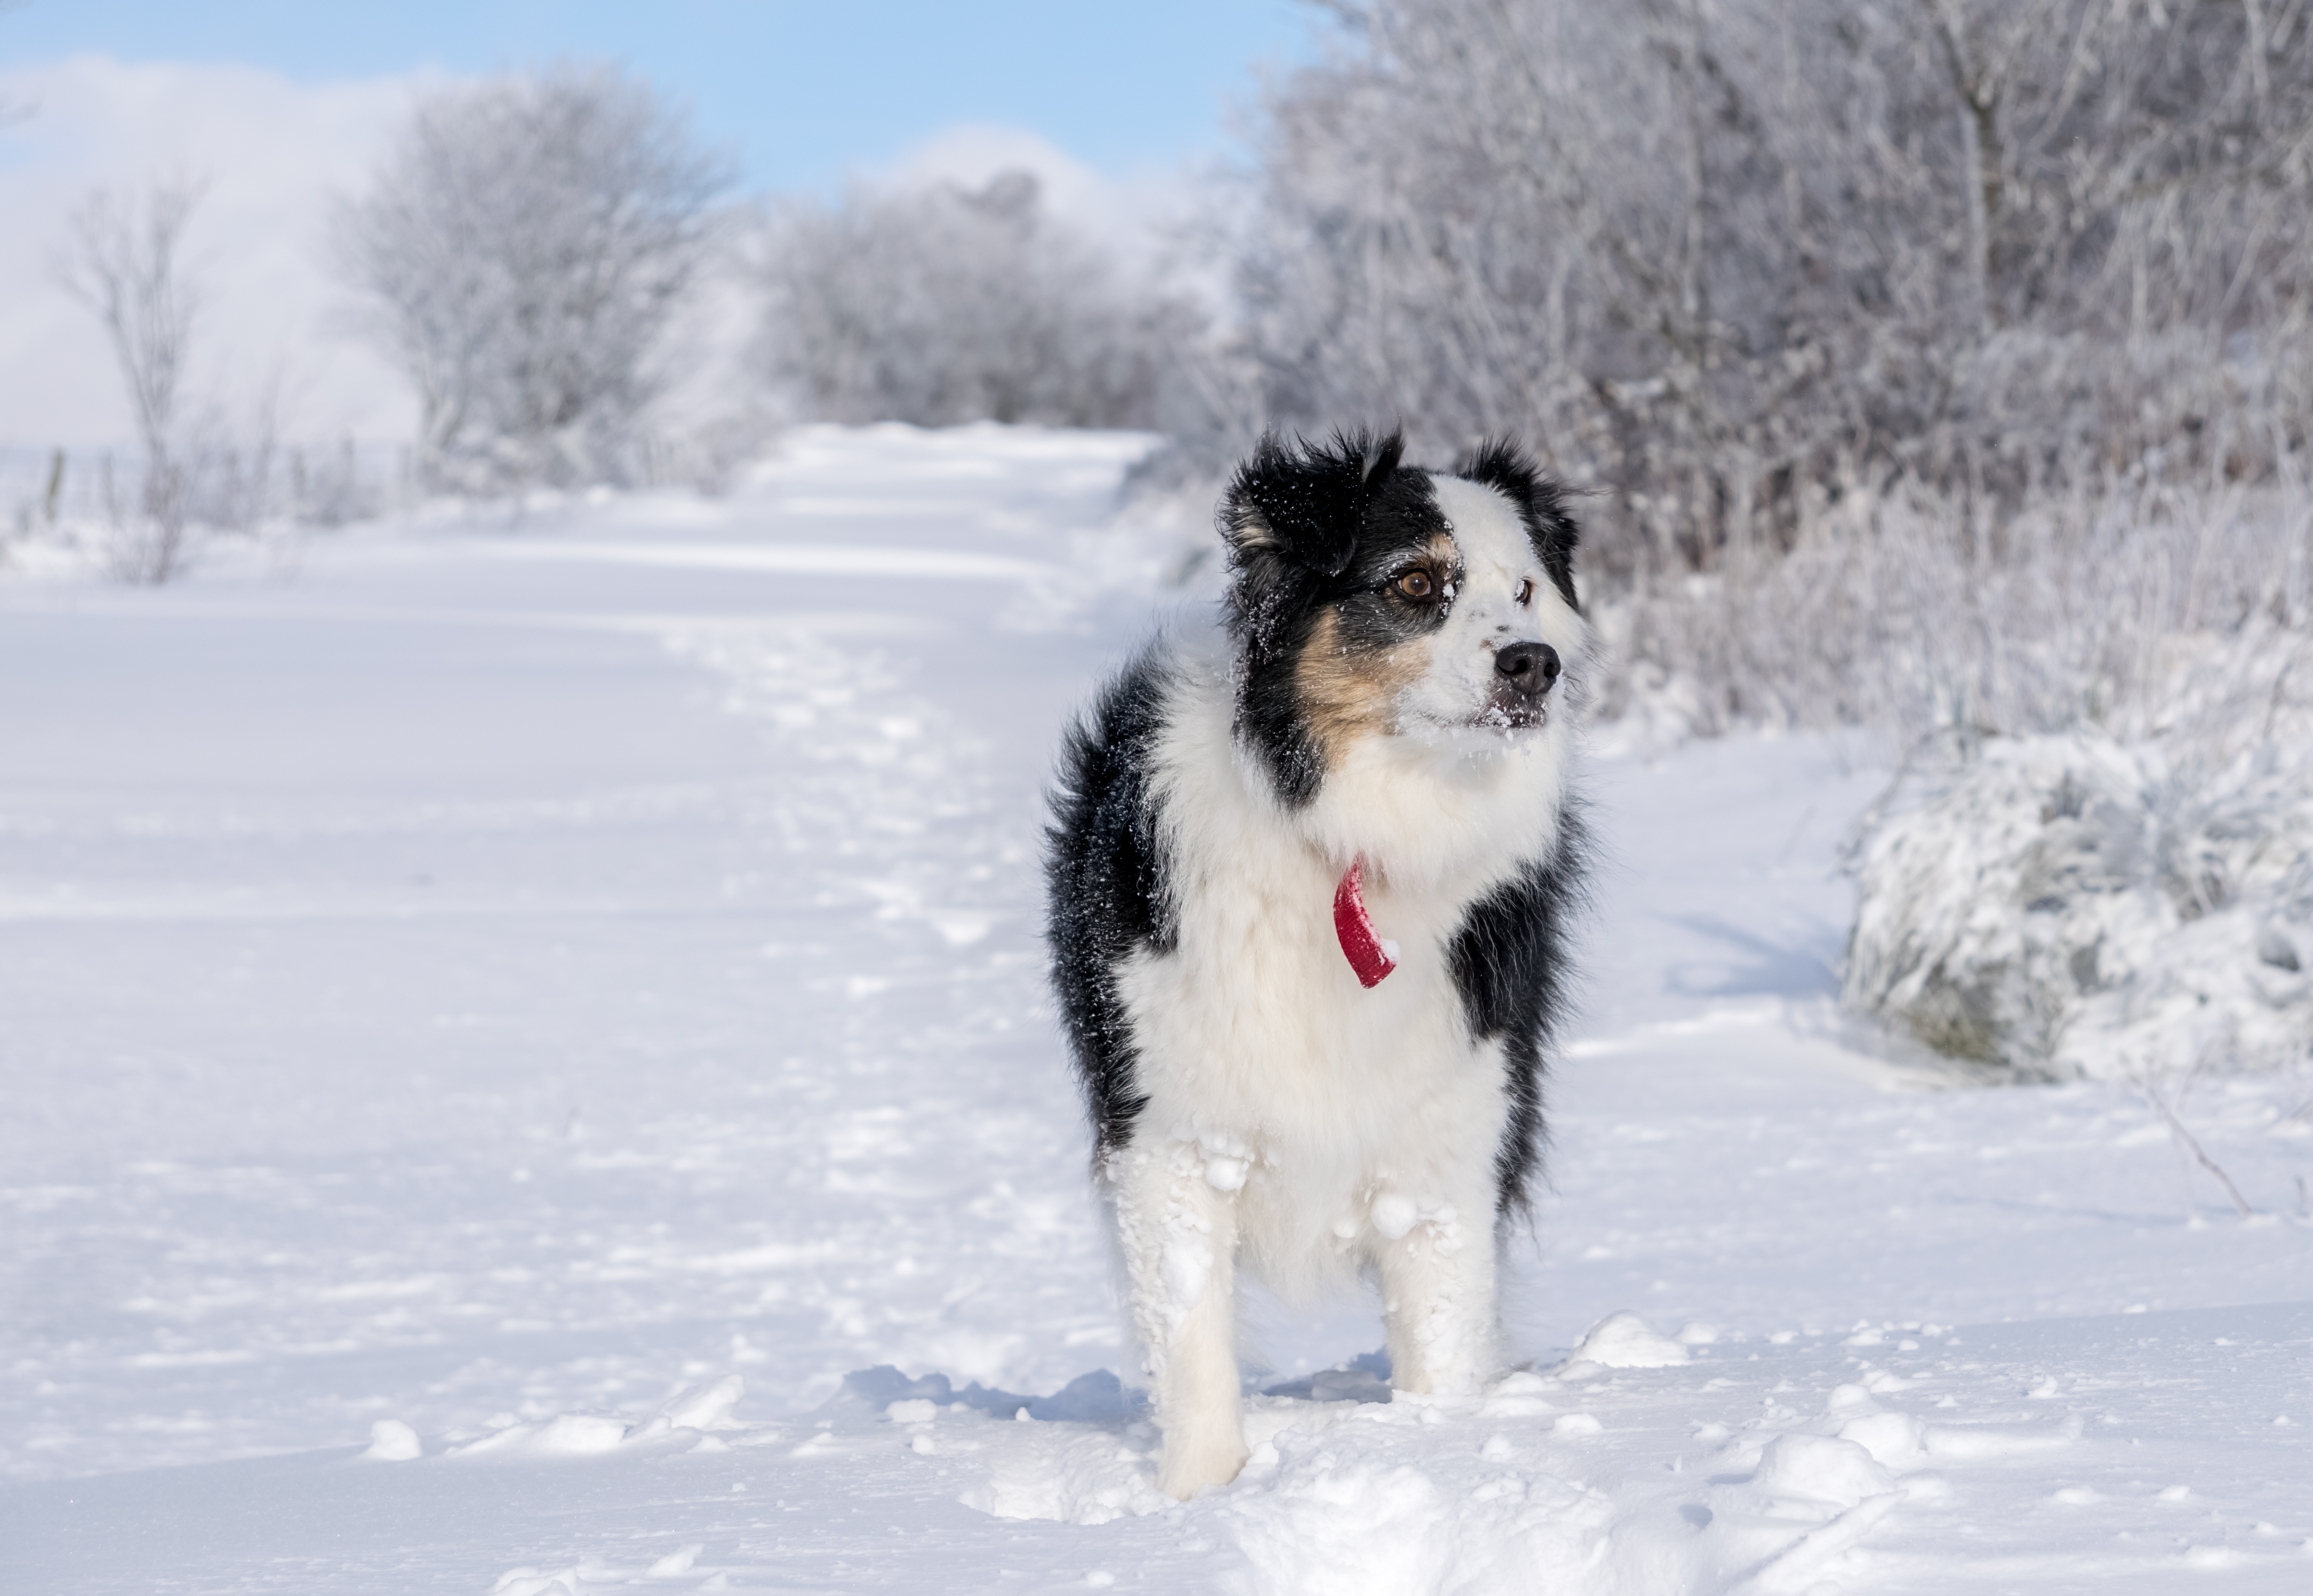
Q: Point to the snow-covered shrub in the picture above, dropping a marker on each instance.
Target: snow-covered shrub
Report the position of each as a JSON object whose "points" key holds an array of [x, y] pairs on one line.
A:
{"points": [[524, 246], [1900, 610], [2068, 904], [2102, 861], [945, 304]]}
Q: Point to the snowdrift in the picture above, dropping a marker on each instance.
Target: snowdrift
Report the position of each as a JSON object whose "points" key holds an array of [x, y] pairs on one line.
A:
{"points": [[521, 1026]]}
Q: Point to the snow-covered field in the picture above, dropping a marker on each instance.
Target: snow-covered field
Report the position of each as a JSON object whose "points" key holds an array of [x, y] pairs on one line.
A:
{"points": [[526, 1070]]}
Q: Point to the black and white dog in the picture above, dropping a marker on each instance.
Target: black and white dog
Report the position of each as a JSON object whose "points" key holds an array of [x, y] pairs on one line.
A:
{"points": [[1378, 746]]}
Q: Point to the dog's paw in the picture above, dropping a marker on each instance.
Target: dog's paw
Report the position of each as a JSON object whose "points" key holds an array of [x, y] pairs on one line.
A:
{"points": [[1192, 1464]]}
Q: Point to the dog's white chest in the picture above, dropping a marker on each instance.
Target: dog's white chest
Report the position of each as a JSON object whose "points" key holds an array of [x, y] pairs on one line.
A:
{"points": [[1255, 1025], [1253, 1029]]}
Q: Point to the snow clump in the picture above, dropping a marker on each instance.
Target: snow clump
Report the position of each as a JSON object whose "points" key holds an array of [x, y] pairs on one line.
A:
{"points": [[392, 1442], [1625, 1341], [2070, 906]]}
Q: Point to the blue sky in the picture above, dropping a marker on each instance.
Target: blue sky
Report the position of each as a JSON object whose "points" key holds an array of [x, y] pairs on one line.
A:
{"points": [[799, 92]]}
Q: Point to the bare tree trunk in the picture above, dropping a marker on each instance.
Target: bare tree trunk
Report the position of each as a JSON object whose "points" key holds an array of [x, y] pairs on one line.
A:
{"points": [[1980, 178], [126, 265]]}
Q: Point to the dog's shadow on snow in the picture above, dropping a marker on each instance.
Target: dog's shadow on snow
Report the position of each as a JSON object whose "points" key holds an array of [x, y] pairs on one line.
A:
{"points": [[1098, 1398], [1363, 1379], [1755, 966]]}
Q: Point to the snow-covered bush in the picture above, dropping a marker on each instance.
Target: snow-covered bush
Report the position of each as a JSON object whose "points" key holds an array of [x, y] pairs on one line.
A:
{"points": [[2069, 904], [2100, 859], [524, 245], [945, 305], [1900, 610]]}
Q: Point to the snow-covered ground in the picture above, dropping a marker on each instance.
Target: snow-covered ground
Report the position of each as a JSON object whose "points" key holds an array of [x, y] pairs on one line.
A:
{"points": [[526, 1070]]}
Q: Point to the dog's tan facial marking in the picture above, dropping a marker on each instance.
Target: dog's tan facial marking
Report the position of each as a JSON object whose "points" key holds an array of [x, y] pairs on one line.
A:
{"points": [[1350, 690], [1365, 652]]}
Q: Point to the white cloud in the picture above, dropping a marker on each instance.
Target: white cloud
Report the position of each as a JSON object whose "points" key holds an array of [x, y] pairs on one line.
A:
{"points": [[272, 152]]}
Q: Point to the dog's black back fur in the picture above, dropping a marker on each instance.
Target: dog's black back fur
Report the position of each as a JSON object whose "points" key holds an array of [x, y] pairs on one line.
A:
{"points": [[1107, 879], [1512, 969]]}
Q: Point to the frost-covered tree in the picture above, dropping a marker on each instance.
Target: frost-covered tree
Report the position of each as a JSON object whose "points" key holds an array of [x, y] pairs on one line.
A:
{"points": [[1723, 256], [522, 247], [950, 304], [126, 263]]}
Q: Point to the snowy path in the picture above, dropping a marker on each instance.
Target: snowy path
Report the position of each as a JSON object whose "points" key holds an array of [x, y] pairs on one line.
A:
{"points": [[506, 978]]}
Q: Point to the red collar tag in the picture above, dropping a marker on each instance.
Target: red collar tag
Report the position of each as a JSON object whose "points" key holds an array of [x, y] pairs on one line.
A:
{"points": [[1370, 956]]}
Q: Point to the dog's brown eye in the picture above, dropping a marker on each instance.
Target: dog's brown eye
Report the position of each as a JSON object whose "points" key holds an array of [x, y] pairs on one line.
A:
{"points": [[1416, 585], [1525, 591]]}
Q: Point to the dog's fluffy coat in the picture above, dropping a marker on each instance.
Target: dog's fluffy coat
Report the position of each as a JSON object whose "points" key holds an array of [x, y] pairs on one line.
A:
{"points": [[1392, 687]]}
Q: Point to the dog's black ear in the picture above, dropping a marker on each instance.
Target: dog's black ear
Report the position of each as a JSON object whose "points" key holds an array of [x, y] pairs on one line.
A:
{"points": [[1502, 465], [1307, 503]]}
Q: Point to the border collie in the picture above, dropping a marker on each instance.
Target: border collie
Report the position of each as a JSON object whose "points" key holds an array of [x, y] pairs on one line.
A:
{"points": [[1310, 882]]}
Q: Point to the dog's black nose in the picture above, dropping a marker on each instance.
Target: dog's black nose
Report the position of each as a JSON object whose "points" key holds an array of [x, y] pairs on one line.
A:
{"points": [[1531, 668]]}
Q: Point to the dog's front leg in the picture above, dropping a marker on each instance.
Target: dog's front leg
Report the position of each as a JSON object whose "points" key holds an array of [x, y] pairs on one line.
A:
{"points": [[1178, 1231], [1438, 1296]]}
